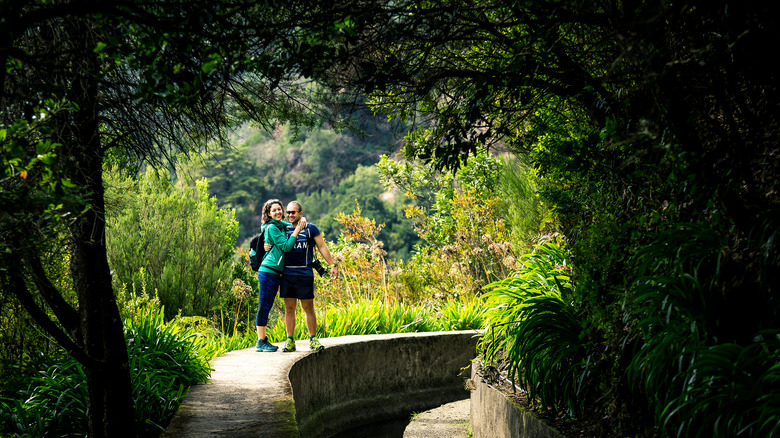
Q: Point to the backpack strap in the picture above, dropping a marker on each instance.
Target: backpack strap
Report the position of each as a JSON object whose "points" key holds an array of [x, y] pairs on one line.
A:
{"points": [[259, 238]]}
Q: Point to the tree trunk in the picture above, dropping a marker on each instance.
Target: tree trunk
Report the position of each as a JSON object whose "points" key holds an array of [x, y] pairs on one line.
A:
{"points": [[107, 372], [102, 337]]}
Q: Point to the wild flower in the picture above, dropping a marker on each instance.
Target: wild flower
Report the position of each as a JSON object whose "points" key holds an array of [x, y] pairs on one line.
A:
{"points": [[510, 262], [240, 290], [450, 251], [376, 249]]}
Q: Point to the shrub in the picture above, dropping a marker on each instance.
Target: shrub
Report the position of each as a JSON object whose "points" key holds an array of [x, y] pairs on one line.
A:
{"points": [[171, 239], [164, 361], [541, 334], [699, 379]]}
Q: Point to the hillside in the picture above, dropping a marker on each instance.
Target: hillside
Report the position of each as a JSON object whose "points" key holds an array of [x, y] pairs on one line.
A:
{"points": [[327, 171]]}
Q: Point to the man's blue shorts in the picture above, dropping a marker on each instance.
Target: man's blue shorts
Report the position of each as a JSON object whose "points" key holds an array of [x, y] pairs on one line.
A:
{"points": [[297, 286]]}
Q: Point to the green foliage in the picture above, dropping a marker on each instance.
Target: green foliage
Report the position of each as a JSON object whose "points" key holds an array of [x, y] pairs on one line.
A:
{"points": [[136, 304], [142, 81], [729, 390], [531, 321], [305, 165], [463, 221], [470, 239], [20, 338], [701, 376], [362, 187], [613, 107], [420, 277], [433, 192], [173, 240], [325, 170], [760, 392], [365, 273], [462, 315], [237, 182], [218, 345], [374, 316], [480, 251], [164, 361], [418, 182], [55, 404], [525, 212], [27, 156], [634, 116]]}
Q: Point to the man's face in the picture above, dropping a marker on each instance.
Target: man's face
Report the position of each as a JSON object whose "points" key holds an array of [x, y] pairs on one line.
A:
{"points": [[293, 213]]}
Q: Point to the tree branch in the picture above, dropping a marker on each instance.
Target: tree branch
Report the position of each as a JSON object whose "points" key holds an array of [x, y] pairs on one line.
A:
{"points": [[65, 313], [19, 288]]}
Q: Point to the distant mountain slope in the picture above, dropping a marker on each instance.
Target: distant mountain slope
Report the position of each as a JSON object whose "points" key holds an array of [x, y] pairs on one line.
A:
{"points": [[317, 166]]}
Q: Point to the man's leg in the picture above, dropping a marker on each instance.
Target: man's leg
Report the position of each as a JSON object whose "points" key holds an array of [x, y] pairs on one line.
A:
{"points": [[289, 324], [311, 324], [311, 316], [289, 315]]}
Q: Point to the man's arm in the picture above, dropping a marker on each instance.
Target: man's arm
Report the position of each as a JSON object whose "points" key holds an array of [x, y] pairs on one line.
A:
{"points": [[289, 241], [325, 252], [280, 238]]}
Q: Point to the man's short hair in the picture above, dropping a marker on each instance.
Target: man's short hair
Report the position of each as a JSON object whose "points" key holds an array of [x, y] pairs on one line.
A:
{"points": [[297, 204]]}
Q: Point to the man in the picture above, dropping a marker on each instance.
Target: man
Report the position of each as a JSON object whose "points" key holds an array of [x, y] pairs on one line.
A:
{"points": [[297, 281]]}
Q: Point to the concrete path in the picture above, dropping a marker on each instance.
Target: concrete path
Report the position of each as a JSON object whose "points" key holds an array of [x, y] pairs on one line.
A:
{"points": [[249, 396], [243, 397]]}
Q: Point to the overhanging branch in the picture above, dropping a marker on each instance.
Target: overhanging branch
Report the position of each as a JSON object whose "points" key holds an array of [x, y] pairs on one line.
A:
{"points": [[19, 288], [65, 313]]}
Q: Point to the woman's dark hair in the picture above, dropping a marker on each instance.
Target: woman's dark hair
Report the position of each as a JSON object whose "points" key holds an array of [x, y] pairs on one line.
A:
{"points": [[267, 209]]}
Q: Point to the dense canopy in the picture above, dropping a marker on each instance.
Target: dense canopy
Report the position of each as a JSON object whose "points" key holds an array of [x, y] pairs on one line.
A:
{"points": [[653, 126]]}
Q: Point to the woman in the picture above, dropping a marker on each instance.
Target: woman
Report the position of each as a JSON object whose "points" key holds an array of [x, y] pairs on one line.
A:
{"points": [[273, 263]]}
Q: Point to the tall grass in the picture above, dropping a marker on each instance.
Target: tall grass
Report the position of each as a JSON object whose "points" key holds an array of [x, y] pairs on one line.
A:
{"points": [[365, 317], [54, 405], [164, 361], [729, 390]]}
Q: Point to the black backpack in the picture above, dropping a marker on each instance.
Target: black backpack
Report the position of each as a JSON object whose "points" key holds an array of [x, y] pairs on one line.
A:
{"points": [[258, 244]]}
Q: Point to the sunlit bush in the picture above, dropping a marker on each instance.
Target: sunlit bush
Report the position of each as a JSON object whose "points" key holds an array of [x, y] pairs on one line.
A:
{"points": [[171, 238], [480, 252]]}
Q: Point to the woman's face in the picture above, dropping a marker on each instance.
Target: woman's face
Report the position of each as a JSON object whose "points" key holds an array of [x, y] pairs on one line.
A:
{"points": [[277, 212]]}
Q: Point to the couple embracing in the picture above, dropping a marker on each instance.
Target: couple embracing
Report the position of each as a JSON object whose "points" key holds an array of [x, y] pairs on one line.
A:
{"points": [[287, 265]]}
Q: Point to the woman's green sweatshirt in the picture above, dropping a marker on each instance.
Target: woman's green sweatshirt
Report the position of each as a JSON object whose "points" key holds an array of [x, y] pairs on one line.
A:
{"points": [[273, 261]]}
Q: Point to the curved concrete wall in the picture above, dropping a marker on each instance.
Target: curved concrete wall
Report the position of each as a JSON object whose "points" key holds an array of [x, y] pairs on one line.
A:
{"points": [[372, 378], [493, 415]]}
